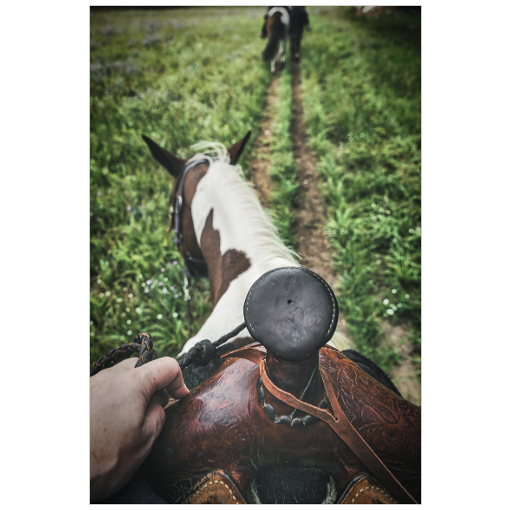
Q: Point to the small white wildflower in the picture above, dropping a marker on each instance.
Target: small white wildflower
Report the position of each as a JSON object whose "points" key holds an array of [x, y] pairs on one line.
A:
{"points": [[122, 314], [128, 310], [393, 291], [128, 321], [129, 332], [399, 305], [140, 276], [138, 310], [165, 279], [381, 209], [386, 301], [374, 206], [393, 307], [102, 294], [130, 296], [160, 316], [175, 315], [108, 293], [388, 211], [124, 289], [99, 280], [407, 296], [389, 311], [119, 300]]}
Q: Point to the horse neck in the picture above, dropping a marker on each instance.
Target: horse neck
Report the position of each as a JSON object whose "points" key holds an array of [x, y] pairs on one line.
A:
{"points": [[236, 238]]}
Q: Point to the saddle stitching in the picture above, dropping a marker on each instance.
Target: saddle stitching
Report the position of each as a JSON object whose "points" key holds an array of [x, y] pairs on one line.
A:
{"points": [[376, 488], [222, 483]]}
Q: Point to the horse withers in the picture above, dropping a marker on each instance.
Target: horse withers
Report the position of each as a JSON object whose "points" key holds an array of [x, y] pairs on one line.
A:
{"points": [[277, 27]]}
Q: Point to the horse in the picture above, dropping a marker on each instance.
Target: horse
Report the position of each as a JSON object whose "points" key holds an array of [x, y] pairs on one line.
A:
{"points": [[298, 21], [223, 232], [277, 26]]}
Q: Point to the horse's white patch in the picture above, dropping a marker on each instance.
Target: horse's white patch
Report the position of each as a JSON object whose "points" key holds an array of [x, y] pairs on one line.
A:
{"points": [[285, 14]]}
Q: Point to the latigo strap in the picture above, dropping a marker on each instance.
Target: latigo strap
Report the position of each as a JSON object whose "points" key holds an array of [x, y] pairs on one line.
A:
{"points": [[337, 421]]}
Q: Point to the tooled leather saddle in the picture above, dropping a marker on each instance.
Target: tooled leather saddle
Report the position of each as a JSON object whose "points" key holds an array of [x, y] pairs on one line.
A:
{"points": [[288, 402]]}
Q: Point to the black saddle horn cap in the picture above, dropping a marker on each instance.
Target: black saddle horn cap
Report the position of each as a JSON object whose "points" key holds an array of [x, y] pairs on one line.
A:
{"points": [[292, 312]]}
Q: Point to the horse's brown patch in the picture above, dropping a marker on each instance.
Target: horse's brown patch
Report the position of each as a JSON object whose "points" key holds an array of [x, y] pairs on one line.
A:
{"points": [[222, 268], [190, 188]]}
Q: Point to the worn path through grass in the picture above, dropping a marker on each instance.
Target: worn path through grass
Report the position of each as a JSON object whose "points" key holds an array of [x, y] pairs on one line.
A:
{"points": [[309, 229], [261, 162]]}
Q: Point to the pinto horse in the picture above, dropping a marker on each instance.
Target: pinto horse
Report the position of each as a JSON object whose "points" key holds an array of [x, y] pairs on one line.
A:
{"points": [[220, 224], [277, 26]]}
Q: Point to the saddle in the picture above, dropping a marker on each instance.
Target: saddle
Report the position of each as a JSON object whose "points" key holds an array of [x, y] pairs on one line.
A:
{"points": [[288, 400]]}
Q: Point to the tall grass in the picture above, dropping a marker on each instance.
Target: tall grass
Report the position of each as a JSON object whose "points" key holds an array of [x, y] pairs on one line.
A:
{"points": [[362, 99], [179, 76]]}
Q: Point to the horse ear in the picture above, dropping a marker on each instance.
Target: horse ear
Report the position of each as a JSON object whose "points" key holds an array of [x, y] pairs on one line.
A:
{"points": [[237, 149], [173, 164]]}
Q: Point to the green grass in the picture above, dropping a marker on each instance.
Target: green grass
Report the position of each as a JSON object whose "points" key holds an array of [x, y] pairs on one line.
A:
{"points": [[283, 172], [362, 102], [179, 76]]}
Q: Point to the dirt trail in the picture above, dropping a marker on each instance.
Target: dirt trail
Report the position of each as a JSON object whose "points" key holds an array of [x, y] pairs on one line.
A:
{"points": [[313, 246], [259, 169]]}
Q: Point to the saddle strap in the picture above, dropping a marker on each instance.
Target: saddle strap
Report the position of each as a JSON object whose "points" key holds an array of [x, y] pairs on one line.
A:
{"points": [[337, 421]]}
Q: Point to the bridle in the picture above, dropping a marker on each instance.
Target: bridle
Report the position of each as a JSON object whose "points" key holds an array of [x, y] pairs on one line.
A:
{"points": [[196, 267]]}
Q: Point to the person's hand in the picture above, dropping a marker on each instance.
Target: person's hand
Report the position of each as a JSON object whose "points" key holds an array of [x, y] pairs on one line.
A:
{"points": [[126, 417]]}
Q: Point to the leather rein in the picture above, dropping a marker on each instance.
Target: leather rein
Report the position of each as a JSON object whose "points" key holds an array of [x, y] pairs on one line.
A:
{"points": [[196, 267]]}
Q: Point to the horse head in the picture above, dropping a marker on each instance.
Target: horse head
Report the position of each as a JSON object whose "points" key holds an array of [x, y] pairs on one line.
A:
{"points": [[187, 174]]}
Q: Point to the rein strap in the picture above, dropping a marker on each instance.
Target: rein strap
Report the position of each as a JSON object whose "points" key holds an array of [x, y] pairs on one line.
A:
{"points": [[337, 421]]}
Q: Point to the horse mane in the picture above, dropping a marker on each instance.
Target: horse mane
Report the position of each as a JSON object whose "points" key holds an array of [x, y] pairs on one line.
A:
{"points": [[259, 236]]}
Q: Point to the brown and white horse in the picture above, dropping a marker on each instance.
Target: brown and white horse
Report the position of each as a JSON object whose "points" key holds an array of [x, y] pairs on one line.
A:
{"points": [[224, 224], [277, 26]]}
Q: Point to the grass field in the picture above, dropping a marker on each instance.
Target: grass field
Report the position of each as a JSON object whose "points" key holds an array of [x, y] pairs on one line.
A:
{"points": [[184, 75], [177, 77], [362, 100]]}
